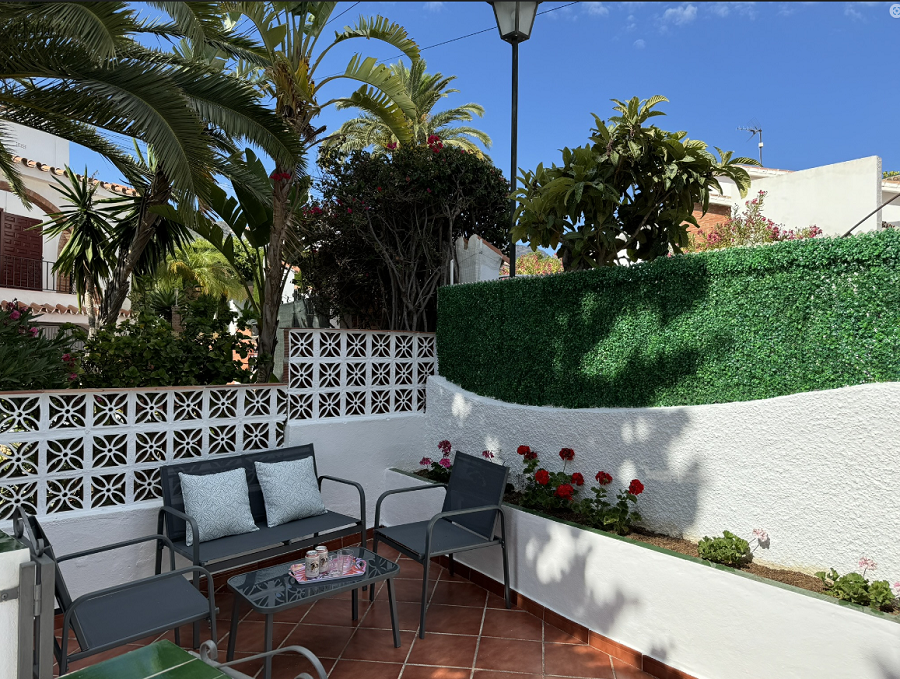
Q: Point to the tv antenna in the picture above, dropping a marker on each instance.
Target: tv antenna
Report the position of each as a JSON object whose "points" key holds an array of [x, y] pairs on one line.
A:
{"points": [[754, 128]]}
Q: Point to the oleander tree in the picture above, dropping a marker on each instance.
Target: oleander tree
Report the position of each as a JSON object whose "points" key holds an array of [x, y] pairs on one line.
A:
{"points": [[627, 196]]}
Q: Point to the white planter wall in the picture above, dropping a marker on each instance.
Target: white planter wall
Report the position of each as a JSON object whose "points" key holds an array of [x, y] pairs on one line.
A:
{"points": [[12, 555], [817, 470], [710, 623]]}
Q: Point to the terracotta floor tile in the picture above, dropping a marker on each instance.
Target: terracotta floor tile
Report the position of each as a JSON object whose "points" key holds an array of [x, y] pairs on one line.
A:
{"points": [[387, 552], [554, 635], [99, 657], [626, 671], [494, 601], [576, 661], [324, 641], [356, 669], [379, 616], [413, 569], [509, 655], [443, 650], [453, 619], [483, 674], [334, 612], [407, 590], [459, 594], [251, 635], [377, 644], [423, 672], [499, 622]]}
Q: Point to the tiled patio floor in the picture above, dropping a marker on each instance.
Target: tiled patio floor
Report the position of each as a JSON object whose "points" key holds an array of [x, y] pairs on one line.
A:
{"points": [[470, 635]]}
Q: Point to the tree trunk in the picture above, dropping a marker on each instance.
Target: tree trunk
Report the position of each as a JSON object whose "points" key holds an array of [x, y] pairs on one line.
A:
{"points": [[117, 291], [271, 294]]}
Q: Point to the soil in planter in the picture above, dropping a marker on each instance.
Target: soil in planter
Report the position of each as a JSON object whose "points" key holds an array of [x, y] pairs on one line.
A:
{"points": [[801, 580]]}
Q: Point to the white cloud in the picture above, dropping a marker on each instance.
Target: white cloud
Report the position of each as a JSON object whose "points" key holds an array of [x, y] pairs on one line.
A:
{"points": [[683, 14], [639, 44], [596, 8], [720, 9], [851, 12], [434, 6]]}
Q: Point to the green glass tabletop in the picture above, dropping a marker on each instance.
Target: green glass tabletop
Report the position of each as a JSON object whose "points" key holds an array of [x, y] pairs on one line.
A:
{"points": [[159, 660]]}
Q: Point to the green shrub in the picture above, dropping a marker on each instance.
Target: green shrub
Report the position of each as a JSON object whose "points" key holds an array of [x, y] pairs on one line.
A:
{"points": [[729, 549], [147, 353], [857, 589], [714, 327], [28, 360]]}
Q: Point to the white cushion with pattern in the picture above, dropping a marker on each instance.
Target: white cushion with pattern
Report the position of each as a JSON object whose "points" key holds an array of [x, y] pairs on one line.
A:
{"points": [[290, 490], [219, 503]]}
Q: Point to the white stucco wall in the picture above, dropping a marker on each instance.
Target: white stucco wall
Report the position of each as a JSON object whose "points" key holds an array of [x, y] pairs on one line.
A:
{"points": [[833, 197], [358, 449], [476, 261], [702, 620], [9, 610], [816, 470]]}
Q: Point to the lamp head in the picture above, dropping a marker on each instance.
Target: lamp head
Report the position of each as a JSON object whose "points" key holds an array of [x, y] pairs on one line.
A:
{"points": [[515, 19]]}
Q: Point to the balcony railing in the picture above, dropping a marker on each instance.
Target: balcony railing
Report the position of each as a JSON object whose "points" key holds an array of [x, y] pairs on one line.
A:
{"points": [[32, 274]]}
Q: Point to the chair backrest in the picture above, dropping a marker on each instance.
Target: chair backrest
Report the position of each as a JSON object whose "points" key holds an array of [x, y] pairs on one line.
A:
{"points": [[475, 482], [171, 484], [35, 537]]}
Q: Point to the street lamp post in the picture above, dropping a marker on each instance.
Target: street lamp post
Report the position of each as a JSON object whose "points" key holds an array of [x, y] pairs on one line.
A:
{"points": [[514, 21]]}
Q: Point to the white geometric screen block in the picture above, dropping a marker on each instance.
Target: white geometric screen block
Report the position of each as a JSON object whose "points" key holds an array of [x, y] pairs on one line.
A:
{"points": [[68, 450], [354, 373]]}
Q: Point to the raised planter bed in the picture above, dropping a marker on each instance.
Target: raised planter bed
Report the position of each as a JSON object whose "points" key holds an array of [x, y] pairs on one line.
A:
{"points": [[675, 615]]}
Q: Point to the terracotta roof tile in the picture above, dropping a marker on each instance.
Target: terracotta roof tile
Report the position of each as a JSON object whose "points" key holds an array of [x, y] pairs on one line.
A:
{"points": [[44, 167]]}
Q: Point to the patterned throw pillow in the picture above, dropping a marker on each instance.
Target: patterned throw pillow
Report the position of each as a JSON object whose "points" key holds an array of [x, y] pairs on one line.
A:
{"points": [[219, 503], [290, 490]]}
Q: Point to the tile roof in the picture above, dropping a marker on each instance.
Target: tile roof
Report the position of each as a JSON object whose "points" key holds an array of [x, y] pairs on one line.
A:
{"points": [[43, 308], [58, 171]]}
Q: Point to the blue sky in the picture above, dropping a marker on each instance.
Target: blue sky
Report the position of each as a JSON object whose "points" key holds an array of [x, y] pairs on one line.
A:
{"points": [[816, 76]]}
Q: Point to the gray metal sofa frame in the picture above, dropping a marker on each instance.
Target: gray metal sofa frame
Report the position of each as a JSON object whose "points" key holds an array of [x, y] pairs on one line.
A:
{"points": [[472, 503], [209, 653], [238, 550], [113, 616]]}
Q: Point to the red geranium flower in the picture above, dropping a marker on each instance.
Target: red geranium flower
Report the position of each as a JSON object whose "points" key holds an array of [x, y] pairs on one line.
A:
{"points": [[635, 487], [577, 479], [603, 478], [542, 477], [523, 450], [565, 491], [567, 454], [531, 455]]}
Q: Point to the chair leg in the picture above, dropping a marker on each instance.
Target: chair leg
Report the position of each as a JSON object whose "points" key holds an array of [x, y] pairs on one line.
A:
{"points": [[177, 636], [424, 597], [451, 564], [506, 576], [374, 549], [212, 630]]}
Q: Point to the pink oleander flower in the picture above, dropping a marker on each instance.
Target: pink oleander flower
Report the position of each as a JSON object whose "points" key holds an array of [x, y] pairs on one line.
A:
{"points": [[445, 463], [896, 588], [425, 462], [760, 534], [33, 331], [72, 376], [867, 564], [487, 454], [14, 315]]}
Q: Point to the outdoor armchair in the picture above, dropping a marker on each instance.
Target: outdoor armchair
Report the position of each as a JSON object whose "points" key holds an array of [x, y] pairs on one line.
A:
{"points": [[114, 616], [472, 504]]}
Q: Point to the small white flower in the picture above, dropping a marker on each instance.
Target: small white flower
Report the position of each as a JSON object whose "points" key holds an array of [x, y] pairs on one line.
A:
{"points": [[760, 534]]}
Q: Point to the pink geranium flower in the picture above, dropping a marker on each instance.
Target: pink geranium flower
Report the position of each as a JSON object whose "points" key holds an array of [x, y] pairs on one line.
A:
{"points": [[445, 463], [425, 462]]}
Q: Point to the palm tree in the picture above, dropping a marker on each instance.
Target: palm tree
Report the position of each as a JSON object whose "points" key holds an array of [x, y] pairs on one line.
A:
{"points": [[425, 90], [78, 72], [200, 265], [284, 70]]}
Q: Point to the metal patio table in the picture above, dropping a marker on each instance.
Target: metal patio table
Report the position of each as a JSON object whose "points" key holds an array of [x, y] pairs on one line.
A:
{"points": [[271, 590]]}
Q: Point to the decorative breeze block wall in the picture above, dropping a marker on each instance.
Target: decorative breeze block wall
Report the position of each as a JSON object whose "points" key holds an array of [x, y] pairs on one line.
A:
{"points": [[348, 373], [76, 449]]}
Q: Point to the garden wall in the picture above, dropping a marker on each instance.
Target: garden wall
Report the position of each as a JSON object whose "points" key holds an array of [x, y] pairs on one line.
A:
{"points": [[731, 325], [703, 620], [817, 470]]}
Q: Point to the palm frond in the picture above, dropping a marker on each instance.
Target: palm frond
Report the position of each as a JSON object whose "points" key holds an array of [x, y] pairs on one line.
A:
{"points": [[8, 169], [380, 106]]}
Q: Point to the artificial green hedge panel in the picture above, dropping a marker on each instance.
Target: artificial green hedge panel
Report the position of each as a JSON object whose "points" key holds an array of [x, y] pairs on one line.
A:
{"points": [[729, 325]]}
